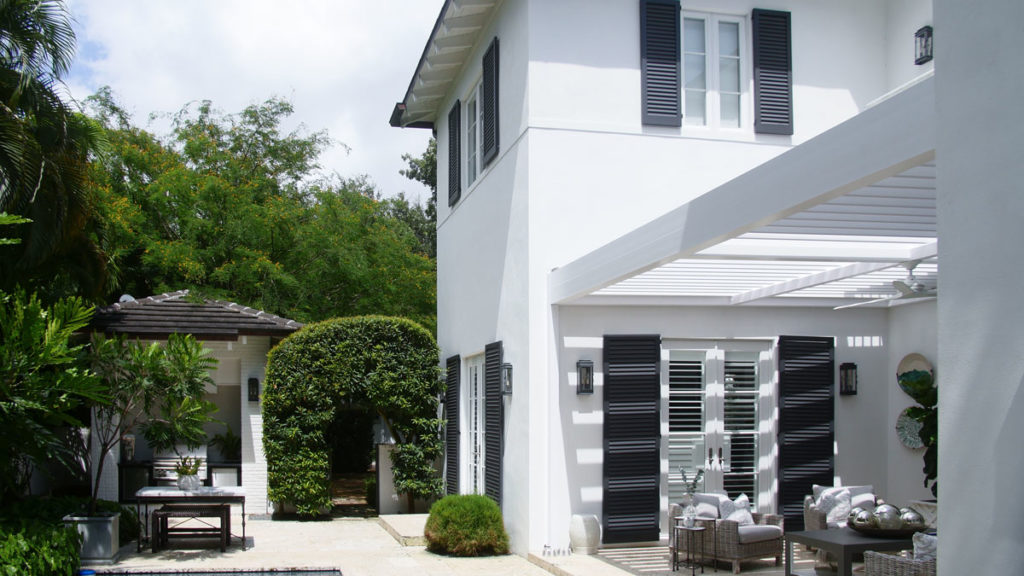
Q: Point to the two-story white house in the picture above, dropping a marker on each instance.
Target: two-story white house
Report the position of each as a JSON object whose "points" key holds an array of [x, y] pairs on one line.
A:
{"points": [[677, 202]]}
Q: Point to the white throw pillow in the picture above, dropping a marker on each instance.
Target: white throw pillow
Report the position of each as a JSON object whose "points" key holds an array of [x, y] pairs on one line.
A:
{"points": [[863, 501], [835, 503], [707, 504], [737, 510], [924, 546]]}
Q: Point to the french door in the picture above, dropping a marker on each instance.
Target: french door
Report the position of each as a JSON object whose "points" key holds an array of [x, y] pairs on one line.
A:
{"points": [[720, 411], [476, 418]]}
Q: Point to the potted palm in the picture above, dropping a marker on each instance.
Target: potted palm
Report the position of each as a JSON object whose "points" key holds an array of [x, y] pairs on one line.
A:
{"points": [[135, 378]]}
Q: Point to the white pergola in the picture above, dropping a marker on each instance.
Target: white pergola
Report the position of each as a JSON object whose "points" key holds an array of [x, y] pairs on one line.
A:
{"points": [[831, 222]]}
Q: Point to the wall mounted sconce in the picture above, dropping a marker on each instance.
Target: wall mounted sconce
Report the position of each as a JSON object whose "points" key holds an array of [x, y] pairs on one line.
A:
{"points": [[585, 377], [506, 379], [923, 45], [847, 379], [254, 390]]}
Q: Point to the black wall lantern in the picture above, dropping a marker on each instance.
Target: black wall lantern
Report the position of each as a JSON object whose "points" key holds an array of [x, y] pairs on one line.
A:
{"points": [[254, 390], [923, 45], [585, 377], [506, 379], [847, 379]]}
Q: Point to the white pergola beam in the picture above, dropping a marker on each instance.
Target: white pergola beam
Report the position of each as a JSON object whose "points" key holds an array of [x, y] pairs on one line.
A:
{"points": [[881, 142], [841, 273]]}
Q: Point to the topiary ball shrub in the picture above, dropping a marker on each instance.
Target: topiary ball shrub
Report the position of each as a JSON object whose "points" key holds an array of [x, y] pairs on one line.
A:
{"points": [[466, 525]]}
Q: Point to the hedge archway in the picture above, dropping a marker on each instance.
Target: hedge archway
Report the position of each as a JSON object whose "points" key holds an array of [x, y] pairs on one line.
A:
{"points": [[387, 365]]}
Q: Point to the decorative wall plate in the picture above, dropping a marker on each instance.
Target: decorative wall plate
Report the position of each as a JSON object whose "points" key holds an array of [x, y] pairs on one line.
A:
{"points": [[909, 431], [913, 361]]}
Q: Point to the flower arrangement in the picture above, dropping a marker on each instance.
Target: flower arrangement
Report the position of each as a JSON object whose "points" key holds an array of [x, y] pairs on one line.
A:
{"points": [[691, 485], [188, 466]]}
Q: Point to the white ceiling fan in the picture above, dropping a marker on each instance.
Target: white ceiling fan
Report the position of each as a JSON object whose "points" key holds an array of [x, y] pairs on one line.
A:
{"points": [[905, 289]]}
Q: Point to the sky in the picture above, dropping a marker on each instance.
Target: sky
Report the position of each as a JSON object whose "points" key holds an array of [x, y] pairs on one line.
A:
{"points": [[341, 63]]}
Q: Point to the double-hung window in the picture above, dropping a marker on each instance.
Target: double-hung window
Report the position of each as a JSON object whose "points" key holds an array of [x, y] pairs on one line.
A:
{"points": [[713, 65], [472, 136]]}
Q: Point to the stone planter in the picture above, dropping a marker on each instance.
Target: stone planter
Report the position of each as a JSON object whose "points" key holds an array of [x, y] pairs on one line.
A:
{"points": [[100, 536], [584, 533]]}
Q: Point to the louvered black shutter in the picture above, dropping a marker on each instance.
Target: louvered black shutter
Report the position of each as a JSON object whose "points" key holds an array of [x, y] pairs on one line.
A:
{"points": [[806, 421], [632, 436], [773, 73], [494, 421], [659, 62], [490, 103], [455, 153], [451, 430]]}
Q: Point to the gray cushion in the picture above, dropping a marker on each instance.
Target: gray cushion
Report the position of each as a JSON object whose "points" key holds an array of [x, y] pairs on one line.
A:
{"points": [[707, 504], [758, 533]]}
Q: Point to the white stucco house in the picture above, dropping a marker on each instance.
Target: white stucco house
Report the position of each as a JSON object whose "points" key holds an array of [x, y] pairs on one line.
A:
{"points": [[682, 193], [239, 338]]}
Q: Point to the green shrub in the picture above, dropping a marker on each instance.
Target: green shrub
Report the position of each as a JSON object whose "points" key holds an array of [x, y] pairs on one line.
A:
{"points": [[37, 546], [52, 510], [466, 525], [386, 366]]}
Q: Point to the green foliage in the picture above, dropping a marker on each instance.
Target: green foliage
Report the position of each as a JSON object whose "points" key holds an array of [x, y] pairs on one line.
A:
{"points": [[384, 365], [44, 156], [920, 385], [228, 444], [41, 385], [423, 221], [52, 510], [188, 466], [466, 525], [232, 207], [143, 379], [36, 547], [370, 485]]}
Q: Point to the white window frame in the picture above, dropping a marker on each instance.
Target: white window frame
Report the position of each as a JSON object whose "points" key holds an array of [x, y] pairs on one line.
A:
{"points": [[712, 97], [475, 402], [473, 133]]}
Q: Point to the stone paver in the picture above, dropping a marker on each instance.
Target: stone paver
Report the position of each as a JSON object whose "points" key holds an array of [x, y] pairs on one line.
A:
{"points": [[357, 547]]}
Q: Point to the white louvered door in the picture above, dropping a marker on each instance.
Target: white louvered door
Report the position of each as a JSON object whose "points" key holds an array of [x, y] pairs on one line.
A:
{"points": [[716, 407]]}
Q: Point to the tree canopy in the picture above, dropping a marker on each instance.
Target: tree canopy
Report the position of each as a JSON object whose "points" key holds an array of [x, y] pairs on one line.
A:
{"points": [[231, 206]]}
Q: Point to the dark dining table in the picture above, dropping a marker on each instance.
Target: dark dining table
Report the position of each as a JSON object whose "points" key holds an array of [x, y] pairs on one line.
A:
{"points": [[843, 543], [155, 495]]}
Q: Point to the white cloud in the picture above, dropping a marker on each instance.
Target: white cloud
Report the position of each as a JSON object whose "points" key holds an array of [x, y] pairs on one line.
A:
{"points": [[342, 63]]}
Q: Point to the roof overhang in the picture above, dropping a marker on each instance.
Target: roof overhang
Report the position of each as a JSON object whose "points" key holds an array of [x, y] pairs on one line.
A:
{"points": [[832, 221], [455, 32]]}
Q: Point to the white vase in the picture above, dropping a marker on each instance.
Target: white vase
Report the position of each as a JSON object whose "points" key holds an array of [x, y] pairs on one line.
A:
{"points": [[188, 482], [584, 533]]}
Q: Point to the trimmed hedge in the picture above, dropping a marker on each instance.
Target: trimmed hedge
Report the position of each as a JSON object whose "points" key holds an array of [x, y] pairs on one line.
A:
{"points": [[466, 525], [36, 546], [387, 365]]}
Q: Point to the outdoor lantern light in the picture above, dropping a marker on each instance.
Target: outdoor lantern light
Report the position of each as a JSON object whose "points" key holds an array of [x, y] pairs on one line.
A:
{"points": [[254, 390], [923, 45], [847, 379], [506, 379], [585, 377]]}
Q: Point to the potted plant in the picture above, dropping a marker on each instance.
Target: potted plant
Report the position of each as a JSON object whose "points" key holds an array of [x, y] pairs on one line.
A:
{"points": [[228, 444], [187, 470], [135, 378]]}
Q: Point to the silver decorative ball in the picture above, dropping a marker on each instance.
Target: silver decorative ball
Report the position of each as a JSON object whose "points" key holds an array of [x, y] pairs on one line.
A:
{"points": [[888, 517], [864, 519], [911, 519], [853, 514]]}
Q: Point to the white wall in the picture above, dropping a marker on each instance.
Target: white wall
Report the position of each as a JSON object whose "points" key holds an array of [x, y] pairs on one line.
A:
{"points": [[980, 128], [576, 434], [912, 329], [904, 17]]}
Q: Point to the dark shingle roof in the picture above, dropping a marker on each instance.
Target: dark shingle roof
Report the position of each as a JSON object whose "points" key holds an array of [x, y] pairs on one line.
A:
{"points": [[158, 316]]}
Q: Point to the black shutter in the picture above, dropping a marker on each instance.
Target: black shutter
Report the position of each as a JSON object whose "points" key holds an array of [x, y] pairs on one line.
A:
{"points": [[455, 153], [773, 73], [659, 62], [632, 436], [494, 421], [806, 421], [451, 430], [490, 103]]}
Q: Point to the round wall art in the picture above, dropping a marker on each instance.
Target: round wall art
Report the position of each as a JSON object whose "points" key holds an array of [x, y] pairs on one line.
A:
{"points": [[909, 431]]}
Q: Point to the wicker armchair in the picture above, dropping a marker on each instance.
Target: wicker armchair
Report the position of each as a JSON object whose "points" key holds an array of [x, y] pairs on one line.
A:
{"points": [[724, 539], [878, 564]]}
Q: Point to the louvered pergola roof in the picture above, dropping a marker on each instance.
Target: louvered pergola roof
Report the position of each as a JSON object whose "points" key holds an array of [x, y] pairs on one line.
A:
{"points": [[830, 222]]}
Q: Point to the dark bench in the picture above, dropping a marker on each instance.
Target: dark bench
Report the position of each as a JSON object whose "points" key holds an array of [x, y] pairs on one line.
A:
{"points": [[162, 530]]}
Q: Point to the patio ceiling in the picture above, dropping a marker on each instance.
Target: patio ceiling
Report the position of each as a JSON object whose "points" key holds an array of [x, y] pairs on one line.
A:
{"points": [[831, 222]]}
